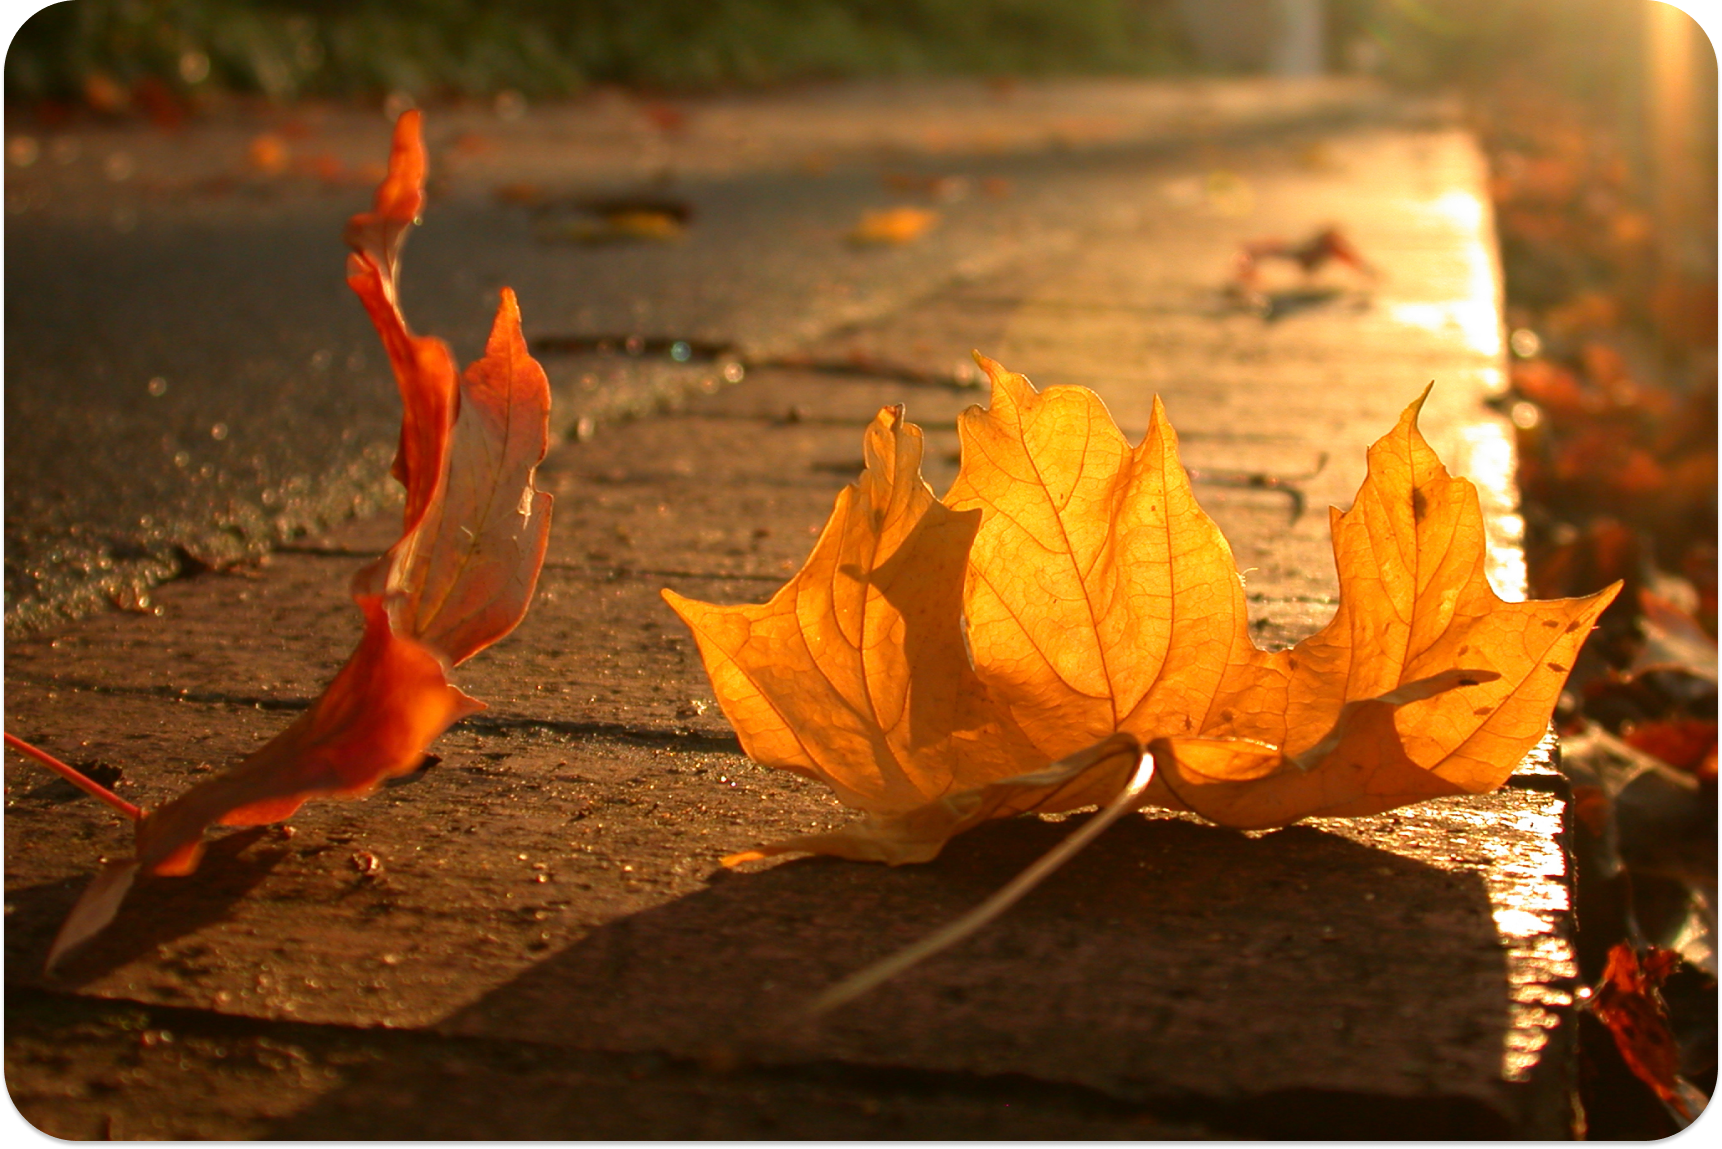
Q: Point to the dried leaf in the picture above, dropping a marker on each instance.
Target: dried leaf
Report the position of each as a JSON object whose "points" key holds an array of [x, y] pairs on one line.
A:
{"points": [[1673, 640], [1685, 744], [620, 227], [1329, 244], [896, 225], [646, 224], [459, 578], [268, 153], [1099, 596], [855, 672], [373, 722], [1098, 601], [1629, 1002]]}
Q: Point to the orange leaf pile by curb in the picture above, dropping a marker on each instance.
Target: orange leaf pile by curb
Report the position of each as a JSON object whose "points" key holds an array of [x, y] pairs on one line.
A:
{"points": [[940, 662]]}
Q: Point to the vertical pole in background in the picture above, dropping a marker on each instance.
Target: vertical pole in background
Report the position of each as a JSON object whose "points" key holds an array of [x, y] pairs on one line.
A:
{"points": [[1298, 50], [1279, 37]]}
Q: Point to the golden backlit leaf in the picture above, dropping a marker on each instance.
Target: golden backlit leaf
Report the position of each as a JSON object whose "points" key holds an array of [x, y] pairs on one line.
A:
{"points": [[855, 673], [1415, 604], [1359, 767], [1103, 613], [917, 835], [1099, 596]]}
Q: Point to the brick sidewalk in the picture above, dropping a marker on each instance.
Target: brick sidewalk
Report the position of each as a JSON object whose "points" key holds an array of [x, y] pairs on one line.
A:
{"points": [[539, 914]]}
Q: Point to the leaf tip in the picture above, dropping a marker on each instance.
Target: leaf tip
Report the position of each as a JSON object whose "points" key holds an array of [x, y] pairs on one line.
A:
{"points": [[689, 610], [890, 419], [401, 194], [1415, 408], [508, 343], [1160, 427], [1008, 387]]}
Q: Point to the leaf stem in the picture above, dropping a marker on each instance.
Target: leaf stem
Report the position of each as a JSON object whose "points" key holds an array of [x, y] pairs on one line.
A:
{"points": [[76, 777], [946, 936]]}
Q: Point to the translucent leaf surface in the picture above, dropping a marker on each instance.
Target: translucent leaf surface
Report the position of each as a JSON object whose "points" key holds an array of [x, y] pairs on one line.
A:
{"points": [[855, 672], [1100, 602]]}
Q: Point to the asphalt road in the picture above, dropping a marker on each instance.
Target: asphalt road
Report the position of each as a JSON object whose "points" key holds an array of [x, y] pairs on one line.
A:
{"points": [[188, 382], [202, 387]]}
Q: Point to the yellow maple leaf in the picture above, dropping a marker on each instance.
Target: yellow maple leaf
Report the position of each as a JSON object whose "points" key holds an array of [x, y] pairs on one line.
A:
{"points": [[1067, 628]]}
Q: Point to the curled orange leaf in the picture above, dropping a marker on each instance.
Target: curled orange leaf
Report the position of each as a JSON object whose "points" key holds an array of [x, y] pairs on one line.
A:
{"points": [[459, 578]]}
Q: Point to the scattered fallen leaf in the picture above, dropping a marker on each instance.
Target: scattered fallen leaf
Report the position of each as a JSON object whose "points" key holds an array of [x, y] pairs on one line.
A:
{"points": [[1068, 589], [895, 225], [1638, 810], [1685, 744], [947, 189], [1228, 193], [667, 118], [459, 578], [1673, 639], [268, 153], [620, 219], [645, 224], [104, 94], [1629, 1002], [1328, 245], [1614, 405], [1249, 284]]}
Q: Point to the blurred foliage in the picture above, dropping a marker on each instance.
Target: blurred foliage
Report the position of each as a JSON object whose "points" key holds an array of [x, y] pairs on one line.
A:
{"points": [[1587, 49], [287, 48], [1603, 174]]}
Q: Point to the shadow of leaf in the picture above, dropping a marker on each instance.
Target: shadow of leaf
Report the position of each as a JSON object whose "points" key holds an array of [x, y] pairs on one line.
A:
{"points": [[1173, 959], [157, 911]]}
